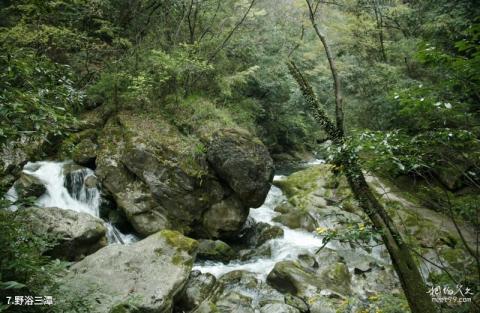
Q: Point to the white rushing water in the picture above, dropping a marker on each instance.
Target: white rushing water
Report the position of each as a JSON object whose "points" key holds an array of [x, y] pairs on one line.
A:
{"points": [[293, 243], [82, 197]]}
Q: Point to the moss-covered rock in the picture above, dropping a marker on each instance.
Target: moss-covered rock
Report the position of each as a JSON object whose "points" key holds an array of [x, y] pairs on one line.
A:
{"points": [[72, 145], [215, 250], [301, 184], [297, 219], [85, 152], [197, 289], [146, 275], [161, 178]]}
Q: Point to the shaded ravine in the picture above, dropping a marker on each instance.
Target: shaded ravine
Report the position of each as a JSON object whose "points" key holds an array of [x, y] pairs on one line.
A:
{"points": [[79, 196]]}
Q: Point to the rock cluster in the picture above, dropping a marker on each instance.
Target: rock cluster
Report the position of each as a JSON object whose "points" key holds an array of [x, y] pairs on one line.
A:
{"points": [[163, 179]]}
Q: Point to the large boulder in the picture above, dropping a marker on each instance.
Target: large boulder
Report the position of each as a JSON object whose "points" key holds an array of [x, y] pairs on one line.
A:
{"points": [[306, 282], [161, 178], [225, 218], [243, 162], [142, 277], [297, 219], [15, 154], [85, 152], [28, 186], [76, 234]]}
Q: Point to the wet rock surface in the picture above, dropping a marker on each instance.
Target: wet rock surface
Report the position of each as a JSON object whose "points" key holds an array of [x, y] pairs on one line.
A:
{"points": [[243, 162], [215, 250], [338, 275], [28, 186], [237, 291]]}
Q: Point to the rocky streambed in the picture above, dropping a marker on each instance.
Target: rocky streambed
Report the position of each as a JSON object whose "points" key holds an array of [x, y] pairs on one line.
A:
{"points": [[158, 221], [276, 263]]}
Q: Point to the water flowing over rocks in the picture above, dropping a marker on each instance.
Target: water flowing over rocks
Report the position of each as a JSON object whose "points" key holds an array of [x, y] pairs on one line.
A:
{"points": [[298, 264], [76, 234], [68, 208], [270, 259], [140, 277]]}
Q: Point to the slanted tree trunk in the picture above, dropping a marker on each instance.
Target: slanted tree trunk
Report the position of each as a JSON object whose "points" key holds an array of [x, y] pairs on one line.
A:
{"points": [[403, 262]]}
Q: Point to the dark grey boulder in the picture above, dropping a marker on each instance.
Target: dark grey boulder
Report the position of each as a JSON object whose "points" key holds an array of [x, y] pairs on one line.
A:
{"points": [[243, 162]]}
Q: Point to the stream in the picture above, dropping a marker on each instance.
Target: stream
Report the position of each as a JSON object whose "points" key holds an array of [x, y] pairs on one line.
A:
{"points": [[75, 194], [293, 243], [81, 198]]}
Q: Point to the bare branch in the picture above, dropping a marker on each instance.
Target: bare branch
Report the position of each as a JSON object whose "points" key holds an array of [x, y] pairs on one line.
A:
{"points": [[333, 69], [230, 34]]}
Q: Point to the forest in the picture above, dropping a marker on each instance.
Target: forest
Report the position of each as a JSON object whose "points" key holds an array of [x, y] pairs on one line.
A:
{"points": [[251, 156]]}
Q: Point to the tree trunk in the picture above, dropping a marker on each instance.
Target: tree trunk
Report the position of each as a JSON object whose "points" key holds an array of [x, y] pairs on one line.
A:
{"points": [[331, 62], [379, 20], [403, 262]]}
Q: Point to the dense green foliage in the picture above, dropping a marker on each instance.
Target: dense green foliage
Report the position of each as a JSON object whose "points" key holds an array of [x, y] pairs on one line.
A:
{"points": [[25, 271], [410, 71]]}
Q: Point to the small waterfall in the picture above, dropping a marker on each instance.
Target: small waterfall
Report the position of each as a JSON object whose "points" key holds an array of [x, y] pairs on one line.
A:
{"points": [[69, 186], [83, 191], [294, 242]]}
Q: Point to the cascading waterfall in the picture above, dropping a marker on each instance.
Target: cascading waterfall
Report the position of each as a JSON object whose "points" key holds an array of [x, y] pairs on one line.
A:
{"points": [[294, 242], [70, 191]]}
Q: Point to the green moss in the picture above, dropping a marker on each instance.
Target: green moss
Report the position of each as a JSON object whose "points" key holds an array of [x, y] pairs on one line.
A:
{"points": [[68, 145], [299, 185], [177, 259], [179, 241], [122, 308], [213, 307], [454, 257], [340, 272], [169, 146], [199, 116]]}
